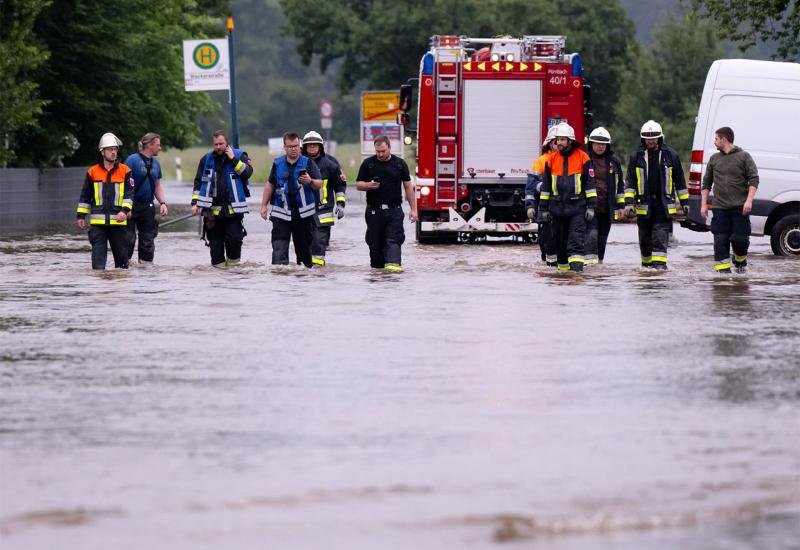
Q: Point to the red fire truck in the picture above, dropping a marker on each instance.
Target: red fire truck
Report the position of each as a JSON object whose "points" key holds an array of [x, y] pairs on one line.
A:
{"points": [[483, 107]]}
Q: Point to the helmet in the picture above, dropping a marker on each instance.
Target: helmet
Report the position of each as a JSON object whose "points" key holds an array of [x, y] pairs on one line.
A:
{"points": [[600, 135], [551, 135], [651, 130], [312, 137], [109, 140], [565, 130]]}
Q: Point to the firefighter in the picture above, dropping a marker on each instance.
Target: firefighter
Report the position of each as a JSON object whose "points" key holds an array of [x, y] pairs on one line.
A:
{"points": [[330, 205], [107, 197], [146, 171], [382, 176], [733, 176], [568, 198], [655, 177], [291, 194], [533, 189], [220, 196], [610, 186]]}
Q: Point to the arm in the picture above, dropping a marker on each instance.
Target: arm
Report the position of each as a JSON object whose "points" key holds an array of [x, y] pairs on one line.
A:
{"points": [[629, 193], [83, 202], [620, 189], [751, 175], [127, 197], [679, 179], [269, 188], [590, 189], [339, 183], [412, 200], [364, 179], [160, 197], [240, 165], [748, 203], [312, 177], [708, 183], [196, 189]]}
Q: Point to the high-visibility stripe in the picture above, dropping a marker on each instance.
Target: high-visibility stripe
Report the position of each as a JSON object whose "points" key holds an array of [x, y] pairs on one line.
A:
{"points": [[551, 259], [647, 259], [642, 209], [98, 194], [577, 179], [326, 220], [629, 193], [393, 267], [620, 198], [563, 267], [83, 208], [668, 176], [659, 258], [590, 194], [739, 259], [239, 167], [671, 209], [578, 259], [544, 196], [195, 196], [317, 260], [340, 197], [724, 264], [324, 191], [641, 177], [683, 195]]}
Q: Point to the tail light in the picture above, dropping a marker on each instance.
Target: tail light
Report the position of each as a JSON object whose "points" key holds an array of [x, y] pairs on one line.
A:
{"points": [[696, 173]]}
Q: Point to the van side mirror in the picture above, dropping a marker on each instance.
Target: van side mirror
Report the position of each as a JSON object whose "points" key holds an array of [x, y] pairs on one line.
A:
{"points": [[406, 93]]}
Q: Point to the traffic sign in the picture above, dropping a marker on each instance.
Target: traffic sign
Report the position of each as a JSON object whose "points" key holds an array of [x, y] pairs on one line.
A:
{"points": [[382, 105], [326, 123], [206, 65], [325, 109]]}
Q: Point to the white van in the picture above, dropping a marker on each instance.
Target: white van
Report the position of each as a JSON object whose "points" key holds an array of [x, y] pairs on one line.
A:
{"points": [[760, 101]]}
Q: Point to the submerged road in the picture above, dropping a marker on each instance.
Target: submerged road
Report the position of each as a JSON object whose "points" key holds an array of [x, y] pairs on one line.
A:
{"points": [[476, 399]]}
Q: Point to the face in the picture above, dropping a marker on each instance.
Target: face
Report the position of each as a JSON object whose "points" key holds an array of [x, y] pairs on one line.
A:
{"points": [[312, 149], [153, 148], [220, 144], [552, 145], [719, 143], [292, 148], [651, 143], [562, 143], [110, 154], [599, 148], [383, 151]]}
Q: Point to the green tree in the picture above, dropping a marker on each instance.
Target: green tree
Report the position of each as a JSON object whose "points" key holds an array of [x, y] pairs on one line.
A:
{"points": [[20, 55], [755, 20], [381, 42], [665, 84], [118, 70]]}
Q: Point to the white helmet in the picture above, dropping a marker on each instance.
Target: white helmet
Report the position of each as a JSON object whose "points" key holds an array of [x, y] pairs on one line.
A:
{"points": [[312, 137], [651, 130], [551, 135], [565, 130], [600, 135], [109, 140]]}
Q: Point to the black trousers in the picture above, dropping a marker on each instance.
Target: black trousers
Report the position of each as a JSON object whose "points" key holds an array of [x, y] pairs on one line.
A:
{"points": [[597, 231], [320, 242], [143, 221], [101, 236], [300, 231], [385, 235], [731, 229], [654, 232], [546, 243], [225, 236], [569, 234]]}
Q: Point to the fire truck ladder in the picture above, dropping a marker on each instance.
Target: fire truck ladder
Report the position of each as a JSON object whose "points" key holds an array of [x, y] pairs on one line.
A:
{"points": [[448, 79]]}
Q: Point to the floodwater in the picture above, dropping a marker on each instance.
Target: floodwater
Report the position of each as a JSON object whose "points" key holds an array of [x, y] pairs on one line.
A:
{"points": [[477, 400]]}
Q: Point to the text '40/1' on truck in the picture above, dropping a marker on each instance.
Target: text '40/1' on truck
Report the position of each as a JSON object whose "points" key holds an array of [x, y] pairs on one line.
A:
{"points": [[484, 106]]}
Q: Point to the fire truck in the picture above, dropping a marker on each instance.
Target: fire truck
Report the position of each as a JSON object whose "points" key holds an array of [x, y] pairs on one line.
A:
{"points": [[484, 106]]}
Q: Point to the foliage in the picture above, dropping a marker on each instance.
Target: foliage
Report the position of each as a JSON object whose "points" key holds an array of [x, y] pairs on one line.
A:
{"points": [[118, 70], [665, 84], [381, 42], [756, 20], [20, 54]]}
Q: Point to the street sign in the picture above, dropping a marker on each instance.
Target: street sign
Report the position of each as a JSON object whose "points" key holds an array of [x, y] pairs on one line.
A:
{"points": [[325, 109], [380, 105], [326, 123], [206, 65]]}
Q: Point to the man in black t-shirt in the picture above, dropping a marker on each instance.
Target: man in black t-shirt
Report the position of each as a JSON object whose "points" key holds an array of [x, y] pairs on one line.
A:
{"points": [[382, 177]]}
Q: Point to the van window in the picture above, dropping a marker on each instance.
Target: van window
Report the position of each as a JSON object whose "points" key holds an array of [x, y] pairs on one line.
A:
{"points": [[760, 124]]}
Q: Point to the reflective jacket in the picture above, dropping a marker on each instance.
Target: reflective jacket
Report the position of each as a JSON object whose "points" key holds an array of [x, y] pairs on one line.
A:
{"points": [[105, 194], [671, 180], [567, 179], [615, 181], [332, 191], [533, 184], [304, 194], [236, 172]]}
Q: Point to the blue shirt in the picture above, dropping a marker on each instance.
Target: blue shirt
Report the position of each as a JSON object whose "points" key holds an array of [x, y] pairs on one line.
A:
{"points": [[144, 187]]}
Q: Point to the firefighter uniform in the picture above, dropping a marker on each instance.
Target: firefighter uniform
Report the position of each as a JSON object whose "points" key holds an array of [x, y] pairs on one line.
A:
{"points": [[146, 172], [567, 193], [331, 197], [221, 189], [104, 195], [610, 186], [654, 179], [293, 206], [384, 214]]}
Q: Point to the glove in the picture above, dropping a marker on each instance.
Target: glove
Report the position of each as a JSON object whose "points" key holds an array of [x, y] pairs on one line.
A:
{"points": [[629, 210], [685, 209], [589, 214], [546, 217], [339, 211], [531, 212]]}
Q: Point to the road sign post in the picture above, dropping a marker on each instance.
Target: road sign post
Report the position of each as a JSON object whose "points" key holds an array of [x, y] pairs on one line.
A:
{"points": [[326, 117]]}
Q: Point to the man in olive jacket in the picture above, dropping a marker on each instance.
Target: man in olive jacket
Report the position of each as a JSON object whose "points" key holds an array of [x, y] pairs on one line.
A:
{"points": [[733, 176]]}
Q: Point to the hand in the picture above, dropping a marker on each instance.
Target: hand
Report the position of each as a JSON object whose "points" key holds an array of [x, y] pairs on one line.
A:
{"points": [[264, 211], [704, 211], [630, 210], [164, 210], [589, 214], [122, 216], [685, 208], [375, 184], [81, 223], [747, 208], [342, 176], [412, 215], [546, 217], [620, 213], [229, 152], [195, 210], [304, 178], [339, 211], [531, 213]]}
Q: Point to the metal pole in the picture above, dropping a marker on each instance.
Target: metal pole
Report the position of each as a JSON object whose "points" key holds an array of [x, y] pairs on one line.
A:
{"points": [[232, 63]]}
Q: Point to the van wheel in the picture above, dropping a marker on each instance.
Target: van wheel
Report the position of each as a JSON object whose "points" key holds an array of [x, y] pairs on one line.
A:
{"points": [[785, 239]]}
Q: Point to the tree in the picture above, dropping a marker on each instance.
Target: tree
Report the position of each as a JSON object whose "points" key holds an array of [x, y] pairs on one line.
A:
{"points": [[755, 20], [117, 70], [381, 43], [665, 84], [20, 55]]}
